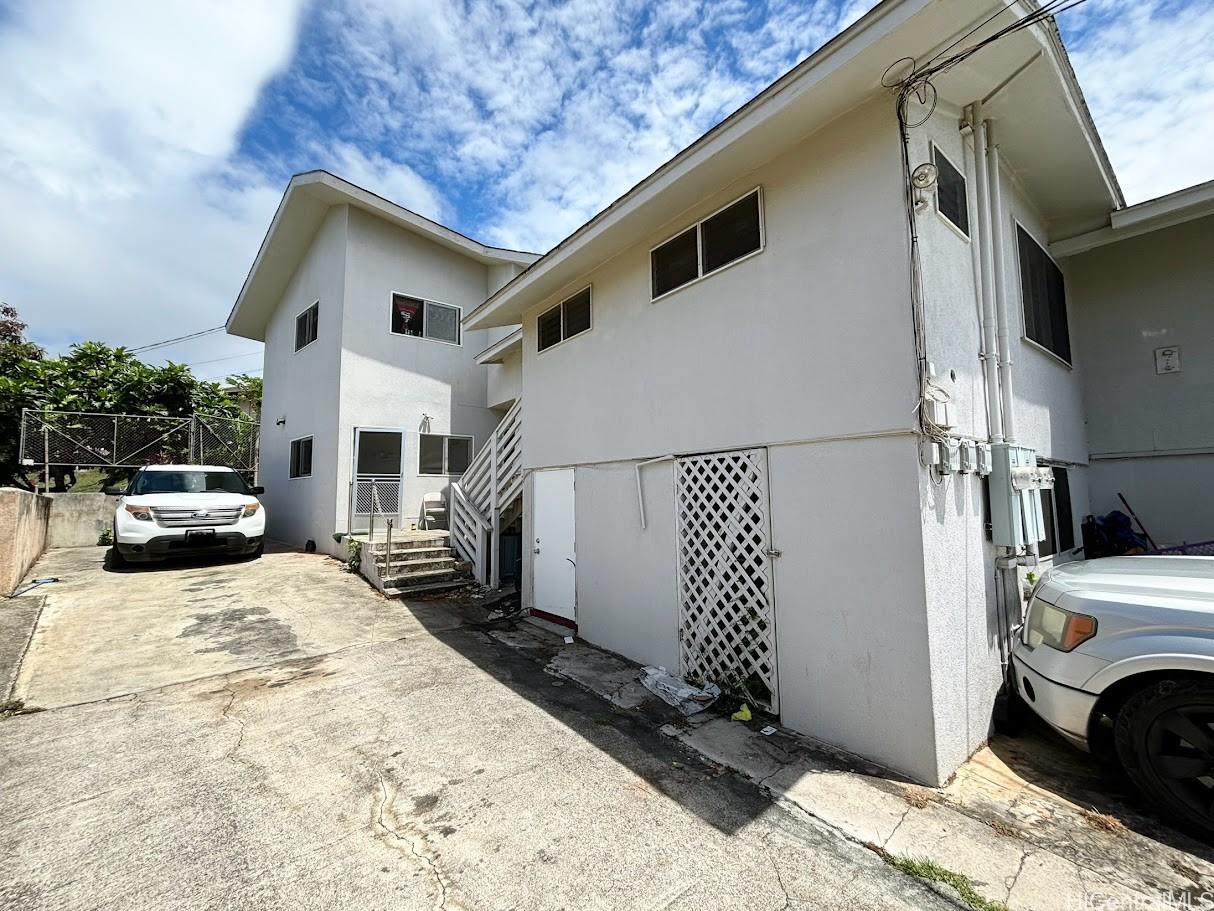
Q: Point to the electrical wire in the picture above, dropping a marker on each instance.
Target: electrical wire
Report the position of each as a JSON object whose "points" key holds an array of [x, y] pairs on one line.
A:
{"points": [[173, 341]]}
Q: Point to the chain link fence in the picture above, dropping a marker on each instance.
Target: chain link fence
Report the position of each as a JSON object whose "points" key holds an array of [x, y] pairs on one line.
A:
{"points": [[110, 441]]}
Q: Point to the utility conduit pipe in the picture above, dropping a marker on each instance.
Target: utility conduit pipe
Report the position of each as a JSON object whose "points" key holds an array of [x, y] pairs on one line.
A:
{"points": [[989, 353], [998, 218], [640, 494]]}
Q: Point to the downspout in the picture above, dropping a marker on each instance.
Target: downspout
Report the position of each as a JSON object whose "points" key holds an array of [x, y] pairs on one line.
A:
{"points": [[984, 266], [998, 216]]}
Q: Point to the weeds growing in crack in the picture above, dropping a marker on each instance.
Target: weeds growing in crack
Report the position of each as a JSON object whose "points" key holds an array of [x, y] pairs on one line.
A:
{"points": [[13, 707], [931, 872]]}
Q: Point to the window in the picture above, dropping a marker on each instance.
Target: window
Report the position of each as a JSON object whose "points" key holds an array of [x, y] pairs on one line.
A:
{"points": [[722, 238], [438, 454], [425, 319], [157, 481], [951, 200], [1059, 521], [301, 458], [1044, 297], [565, 320], [306, 326]]}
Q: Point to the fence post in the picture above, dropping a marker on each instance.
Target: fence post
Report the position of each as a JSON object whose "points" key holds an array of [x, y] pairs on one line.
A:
{"points": [[46, 459]]}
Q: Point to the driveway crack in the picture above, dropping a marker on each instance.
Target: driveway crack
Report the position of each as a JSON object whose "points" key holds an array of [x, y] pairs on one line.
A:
{"points": [[412, 841]]}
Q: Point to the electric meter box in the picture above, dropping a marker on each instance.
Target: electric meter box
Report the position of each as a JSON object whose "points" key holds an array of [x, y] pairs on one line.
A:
{"points": [[1016, 484]]}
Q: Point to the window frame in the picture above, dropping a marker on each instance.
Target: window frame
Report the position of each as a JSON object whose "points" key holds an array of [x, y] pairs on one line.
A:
{"points": [[291, 457], [936, 150], [446, 454], [1051, 512], [426, 302], [1024, 323], [561, 306], [315, 305], [756, 191]]}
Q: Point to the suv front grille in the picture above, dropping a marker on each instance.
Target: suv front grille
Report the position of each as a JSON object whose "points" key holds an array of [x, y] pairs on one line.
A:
{"points": [[179, 516]]}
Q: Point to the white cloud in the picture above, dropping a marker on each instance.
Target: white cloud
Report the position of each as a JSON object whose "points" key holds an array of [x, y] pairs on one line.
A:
{"points": [[1147, 70], [124, 221]]}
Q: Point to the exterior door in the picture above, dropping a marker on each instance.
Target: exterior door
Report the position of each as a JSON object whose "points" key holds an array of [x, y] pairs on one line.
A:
{"points": [[378, 466], [554, 564], [727, 623]]}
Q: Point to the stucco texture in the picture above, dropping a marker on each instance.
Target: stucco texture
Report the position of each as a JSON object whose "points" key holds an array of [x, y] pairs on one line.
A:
{"points": [[23, 522]]}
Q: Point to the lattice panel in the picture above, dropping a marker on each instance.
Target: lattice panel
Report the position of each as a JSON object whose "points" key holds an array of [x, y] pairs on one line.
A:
{"points": [[387, 492], [726, 618]]}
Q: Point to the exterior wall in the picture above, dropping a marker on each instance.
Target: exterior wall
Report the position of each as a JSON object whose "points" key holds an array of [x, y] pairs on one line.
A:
{"points": [[301, 387], [391, 381], [1151, 436], [23, 522], [506, 381], [78, 519], [794, 348]]}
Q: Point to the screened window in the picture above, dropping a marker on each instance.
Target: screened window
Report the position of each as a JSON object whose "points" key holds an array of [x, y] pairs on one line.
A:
{"points": [[567, 319], [1044, 297], [951, 199], [307, 325], [425, 319], [1059, 520], [442, 455], [722, 238], [301, 458]]}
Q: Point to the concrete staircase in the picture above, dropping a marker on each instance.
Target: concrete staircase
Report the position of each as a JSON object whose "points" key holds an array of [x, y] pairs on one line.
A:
{"points": [[421, 562]]}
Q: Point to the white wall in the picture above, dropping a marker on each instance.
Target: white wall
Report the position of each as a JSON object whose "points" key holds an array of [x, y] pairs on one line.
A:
{"points": [[301, 386], [1152, 436], [392, 380], [810, 337], [505, 381]]}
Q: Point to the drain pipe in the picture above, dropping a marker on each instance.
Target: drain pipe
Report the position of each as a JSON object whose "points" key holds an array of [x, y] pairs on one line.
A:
{"points": [[640, 493], [989, 352], [998, 217]]}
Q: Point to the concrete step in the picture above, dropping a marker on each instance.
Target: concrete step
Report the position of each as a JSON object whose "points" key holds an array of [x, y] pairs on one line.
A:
{"points": [[438, 542], [417, 578], [430, 587], [409, 567]]}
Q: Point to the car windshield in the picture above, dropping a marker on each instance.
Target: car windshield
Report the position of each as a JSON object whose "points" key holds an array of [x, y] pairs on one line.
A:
{"points": [[189, 482]]}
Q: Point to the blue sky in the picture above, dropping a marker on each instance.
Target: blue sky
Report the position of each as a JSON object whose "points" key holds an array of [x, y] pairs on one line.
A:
{"points": [[146, 144]]}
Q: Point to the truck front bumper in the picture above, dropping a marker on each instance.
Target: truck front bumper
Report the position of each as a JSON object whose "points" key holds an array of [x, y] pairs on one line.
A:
{"points": [[1066, 710], [225, 543]]}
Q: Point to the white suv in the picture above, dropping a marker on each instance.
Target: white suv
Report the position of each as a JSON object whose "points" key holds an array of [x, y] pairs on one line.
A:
{"points": [[1118, 656], [172, 510]]}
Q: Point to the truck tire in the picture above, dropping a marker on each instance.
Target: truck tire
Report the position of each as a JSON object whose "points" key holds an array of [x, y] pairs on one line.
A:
{"points": [[1164, 736], [117, 560]]}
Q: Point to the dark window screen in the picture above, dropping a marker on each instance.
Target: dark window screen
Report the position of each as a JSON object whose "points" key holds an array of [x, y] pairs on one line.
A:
{"points": [[430, 454], [550, 328], [1044, 294], [950, 194], [675, 263], [306, 326], [379, 452], [731, 233], [577, 314], [1062, 510], [301, 458], [459, 454]]}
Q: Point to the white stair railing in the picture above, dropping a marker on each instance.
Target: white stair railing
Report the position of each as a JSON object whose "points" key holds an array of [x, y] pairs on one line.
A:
{"points": [[491, 483]]}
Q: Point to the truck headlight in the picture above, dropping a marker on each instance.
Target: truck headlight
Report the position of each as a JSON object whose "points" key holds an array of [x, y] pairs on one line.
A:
{"points": [[1057, 628], [142, 513], [250, 510]]}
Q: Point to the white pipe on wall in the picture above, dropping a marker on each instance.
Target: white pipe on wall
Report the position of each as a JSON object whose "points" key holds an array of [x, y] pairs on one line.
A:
{"points": [[998, 218], [984, 266]]}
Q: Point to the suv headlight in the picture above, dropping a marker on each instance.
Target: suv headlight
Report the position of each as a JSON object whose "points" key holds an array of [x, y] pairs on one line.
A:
{"points": [[250, 510], [1057, 628], [142, 513]]}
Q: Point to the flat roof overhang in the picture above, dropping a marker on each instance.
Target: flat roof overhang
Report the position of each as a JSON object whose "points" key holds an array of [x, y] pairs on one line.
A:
{"points": [[299, 215], [1050, 143]]}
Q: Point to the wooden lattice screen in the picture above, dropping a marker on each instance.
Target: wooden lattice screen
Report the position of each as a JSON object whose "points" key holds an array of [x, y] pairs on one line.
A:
{"points": [[726, 616]]}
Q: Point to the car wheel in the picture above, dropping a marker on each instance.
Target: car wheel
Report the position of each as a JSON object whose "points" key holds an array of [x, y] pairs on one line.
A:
{"points": [[117, 560], [1165, 740], [258, 550]]}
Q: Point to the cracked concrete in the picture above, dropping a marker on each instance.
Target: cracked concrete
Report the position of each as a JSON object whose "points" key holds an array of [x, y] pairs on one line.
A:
{"points": [[398, 758]]}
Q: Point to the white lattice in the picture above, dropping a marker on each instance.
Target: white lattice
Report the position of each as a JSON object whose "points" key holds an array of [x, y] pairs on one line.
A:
{"points": [[387, 496], [726, 621]]}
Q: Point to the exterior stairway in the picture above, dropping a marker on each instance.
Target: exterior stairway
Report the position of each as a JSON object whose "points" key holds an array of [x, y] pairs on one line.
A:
{"points": [[420, 562]]}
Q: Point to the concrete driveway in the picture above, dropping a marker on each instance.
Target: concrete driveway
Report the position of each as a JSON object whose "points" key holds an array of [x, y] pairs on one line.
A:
{"points": [[273, 734]]}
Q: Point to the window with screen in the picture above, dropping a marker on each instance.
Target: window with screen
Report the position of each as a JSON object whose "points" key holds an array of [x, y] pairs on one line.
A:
{"points": [[951, 199], [569, 318], [425, 319], [724, 237], [307, 324], [301, 458], [438, 454], [1059, 519], [1044, 297]]}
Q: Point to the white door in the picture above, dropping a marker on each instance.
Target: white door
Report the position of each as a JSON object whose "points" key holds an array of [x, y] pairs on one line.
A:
{"points": [[378, 471], [555, 559]]}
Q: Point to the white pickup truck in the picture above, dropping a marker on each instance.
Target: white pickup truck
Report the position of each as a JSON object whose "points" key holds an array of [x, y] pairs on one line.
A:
{"points": [[184, 510], [1118, 656]]}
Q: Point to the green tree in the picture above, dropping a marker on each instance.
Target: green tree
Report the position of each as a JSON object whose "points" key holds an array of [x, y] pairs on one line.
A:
{"points": [[19, 359]]}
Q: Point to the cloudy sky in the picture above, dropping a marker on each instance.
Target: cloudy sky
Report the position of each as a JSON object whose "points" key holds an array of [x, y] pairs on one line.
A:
{"points": [[145, 145]]}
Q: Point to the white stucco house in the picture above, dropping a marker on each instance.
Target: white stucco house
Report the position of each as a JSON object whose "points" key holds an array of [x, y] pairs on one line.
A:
{"points": [[369, 375], [799, 411]]}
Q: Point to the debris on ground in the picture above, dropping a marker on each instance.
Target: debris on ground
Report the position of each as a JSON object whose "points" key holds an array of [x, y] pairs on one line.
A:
{"points": [[768, 731], [919, 797], [1103, 821], [676, 691], [742, 714]]}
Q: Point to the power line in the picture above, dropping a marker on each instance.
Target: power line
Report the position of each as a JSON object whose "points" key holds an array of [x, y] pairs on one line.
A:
{"points": [[230, 357], [173, 341], [222, 376]]}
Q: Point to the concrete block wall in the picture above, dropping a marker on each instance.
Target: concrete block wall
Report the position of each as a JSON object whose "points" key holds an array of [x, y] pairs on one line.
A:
{"points": [[24, 517], [77, 519]]}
